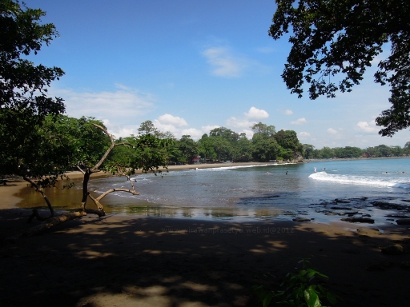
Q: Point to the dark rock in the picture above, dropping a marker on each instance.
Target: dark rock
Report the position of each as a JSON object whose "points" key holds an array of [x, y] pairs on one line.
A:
{"points": [[301, 219], [340, 208], [395, 249], [387, 205], [403, 222], [343, 201], [358, 220], [398, 215]]}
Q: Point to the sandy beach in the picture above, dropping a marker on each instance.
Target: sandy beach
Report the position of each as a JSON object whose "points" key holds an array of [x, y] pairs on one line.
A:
{"points": [[136, 261]]}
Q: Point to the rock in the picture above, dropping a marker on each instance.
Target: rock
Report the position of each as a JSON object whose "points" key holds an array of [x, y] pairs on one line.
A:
{"points": [[395, 249], [358, 220], [343, 201], [403, 222], [301, 219], [398, 216], [340, 208]]}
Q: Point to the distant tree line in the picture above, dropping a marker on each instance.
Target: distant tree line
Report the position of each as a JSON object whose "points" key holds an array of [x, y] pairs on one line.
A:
{"points": [[222, 144], [309, 152]]}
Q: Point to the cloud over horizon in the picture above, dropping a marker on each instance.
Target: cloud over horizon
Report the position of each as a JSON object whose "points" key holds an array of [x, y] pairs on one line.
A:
{"points": [[299, 121], [255, 113]]}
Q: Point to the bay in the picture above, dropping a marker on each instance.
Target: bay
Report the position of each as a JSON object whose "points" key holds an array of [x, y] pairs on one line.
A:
{"points": [[261, 192]]}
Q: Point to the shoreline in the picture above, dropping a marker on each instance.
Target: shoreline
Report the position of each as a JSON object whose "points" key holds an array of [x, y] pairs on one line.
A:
{"points": [[320, 214], [9, 200]]}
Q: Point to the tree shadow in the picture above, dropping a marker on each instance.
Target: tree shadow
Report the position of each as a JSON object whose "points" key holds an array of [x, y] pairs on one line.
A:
{"points": [[171, 262]]}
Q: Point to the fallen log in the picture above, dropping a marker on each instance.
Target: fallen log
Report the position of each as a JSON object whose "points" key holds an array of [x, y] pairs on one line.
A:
{"points": [[53, 221]]}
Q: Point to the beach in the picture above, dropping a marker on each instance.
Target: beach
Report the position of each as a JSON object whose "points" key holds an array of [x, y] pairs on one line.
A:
{"points": [[137, 261]]}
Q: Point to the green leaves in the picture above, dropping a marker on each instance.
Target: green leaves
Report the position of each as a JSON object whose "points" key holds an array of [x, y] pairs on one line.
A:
{"points": [[24, 103], [334, 42], [297, 289]]}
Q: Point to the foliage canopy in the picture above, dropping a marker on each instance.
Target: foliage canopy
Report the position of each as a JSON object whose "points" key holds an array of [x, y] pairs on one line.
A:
{"points": [[24, 100], [344, 37]]}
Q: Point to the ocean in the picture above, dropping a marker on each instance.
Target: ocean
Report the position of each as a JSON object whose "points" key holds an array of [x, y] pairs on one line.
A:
{"points": [[320, 190]]}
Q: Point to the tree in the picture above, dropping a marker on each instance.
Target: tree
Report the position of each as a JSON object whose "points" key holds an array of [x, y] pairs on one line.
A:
{"points": [[343, 37], [288, 139], [243, 149], [264, 129], [206, 148], [348, 152], [308, 151], [225, 133], [325, 153], [265, 148], [146, 152], [406, 148], [188, 148], [147, 127], [23, 85]]}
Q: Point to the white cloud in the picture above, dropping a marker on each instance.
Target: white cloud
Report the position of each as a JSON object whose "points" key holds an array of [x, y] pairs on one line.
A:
{"points": [[257, 113], [168, 122], [299, 121], [234, 122], [288, 112], [304, 135], [332, 131], [175, 124], [249, 133], [120, 131], [223, 63], [194, 133], [208, 128], [368, 126], [119, 107], [168, 119]]}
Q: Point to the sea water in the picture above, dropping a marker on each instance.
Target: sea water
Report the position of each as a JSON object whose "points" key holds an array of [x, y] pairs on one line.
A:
{"points": [[268, 191]]}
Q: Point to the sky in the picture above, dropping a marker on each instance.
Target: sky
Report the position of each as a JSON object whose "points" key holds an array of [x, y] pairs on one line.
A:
{"points": [[190, 66]]}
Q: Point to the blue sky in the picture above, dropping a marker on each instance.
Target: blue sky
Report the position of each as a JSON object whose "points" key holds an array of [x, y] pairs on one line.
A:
{"points": [[193, 65]]}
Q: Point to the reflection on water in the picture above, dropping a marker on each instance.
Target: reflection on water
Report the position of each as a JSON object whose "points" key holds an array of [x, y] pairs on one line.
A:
{"points": [[69, 199], [195, 213], [263, 192]]}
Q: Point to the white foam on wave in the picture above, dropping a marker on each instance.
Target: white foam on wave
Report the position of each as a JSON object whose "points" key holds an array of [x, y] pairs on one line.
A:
{"points": [[240, 166], [141, 179], [221, 168], [362, 180]]}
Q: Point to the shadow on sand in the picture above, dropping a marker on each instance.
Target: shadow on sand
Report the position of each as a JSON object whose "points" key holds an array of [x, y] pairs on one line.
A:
{"points": [[180, 263]]}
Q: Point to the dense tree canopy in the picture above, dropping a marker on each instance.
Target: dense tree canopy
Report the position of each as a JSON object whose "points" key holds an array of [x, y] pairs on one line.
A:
{"points": [[355, 152], [24, 102], [341, 38]]}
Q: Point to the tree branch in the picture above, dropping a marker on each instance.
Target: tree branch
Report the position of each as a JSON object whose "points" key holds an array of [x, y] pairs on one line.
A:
{"points": [[38, 189]]}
